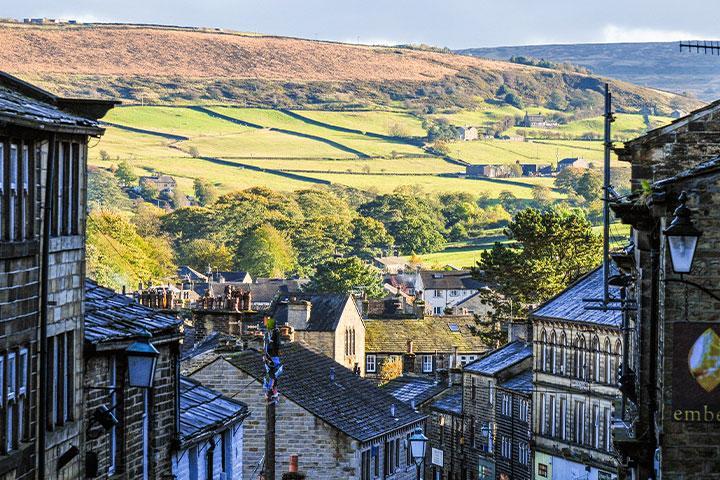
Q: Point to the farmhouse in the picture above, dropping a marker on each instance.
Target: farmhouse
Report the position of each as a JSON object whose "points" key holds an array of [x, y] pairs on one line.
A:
{"points": [[341, 425], [467, 133], [161, 183], [537, 121], [573, 162], [482, 170]]}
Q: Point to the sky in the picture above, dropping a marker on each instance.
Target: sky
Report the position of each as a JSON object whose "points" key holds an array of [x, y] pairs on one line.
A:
{"points": [[443, 23]]}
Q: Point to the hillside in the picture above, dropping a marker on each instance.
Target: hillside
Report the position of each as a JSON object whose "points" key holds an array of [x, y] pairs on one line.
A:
{"points": [[657, 65], [174, 65]]}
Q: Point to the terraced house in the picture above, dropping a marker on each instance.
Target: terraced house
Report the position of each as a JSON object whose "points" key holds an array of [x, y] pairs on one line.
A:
{"points": [[577, 352], [43, 152]]}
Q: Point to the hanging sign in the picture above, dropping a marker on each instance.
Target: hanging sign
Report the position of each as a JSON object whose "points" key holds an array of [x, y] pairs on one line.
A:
{"points": [[696, 372]]}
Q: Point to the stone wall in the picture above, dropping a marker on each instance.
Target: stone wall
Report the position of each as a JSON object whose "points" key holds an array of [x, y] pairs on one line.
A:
{"points": [[181, 460]]}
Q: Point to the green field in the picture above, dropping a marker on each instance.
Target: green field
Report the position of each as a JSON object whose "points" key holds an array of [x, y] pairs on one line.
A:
{"points": [[375, 165], [382, 122]]}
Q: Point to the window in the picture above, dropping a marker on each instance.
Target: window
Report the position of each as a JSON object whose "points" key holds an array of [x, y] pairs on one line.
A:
{"points": [[227, 455], [66, 202], [365, 465], [427, 363], [12, 206], [563, 355], [438, 310], [543, 350], [24, 190], [524, 453], [491, 437], [22, 393], [542, 470], [524, 410], [491, 393], [608, 427], [543, 414], [553, 353], [62, 371], [506, 447], [437, 293], [608, 362], [553, 430], [563, 418], [370, 363], [392, 456], [579, 422], [473, 388], [193, 463], [595, 426], [506, 407], [454, 293], [580, 366], [11, 372], [112, 435]]}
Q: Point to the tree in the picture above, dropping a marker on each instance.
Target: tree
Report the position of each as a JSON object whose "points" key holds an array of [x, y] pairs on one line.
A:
{"points": [[149, 191], [369, 236], [347, 275], [552, 249], [188, 223], [104, 155], [390, 369], [193, 151], [179, 199], [125, 174], [514, 100], [542, 195], [590, 185], [567, 179], [201, 253], [266, 252], [516, 169], [104, 191], [148, 219], [205, 192], [397, 130]]}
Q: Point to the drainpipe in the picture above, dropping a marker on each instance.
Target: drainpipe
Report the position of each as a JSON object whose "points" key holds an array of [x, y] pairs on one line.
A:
{"points": [[43, 340]]}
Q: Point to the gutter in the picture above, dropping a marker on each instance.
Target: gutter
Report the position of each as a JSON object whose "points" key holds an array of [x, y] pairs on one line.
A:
{"points": [[43, 314]]}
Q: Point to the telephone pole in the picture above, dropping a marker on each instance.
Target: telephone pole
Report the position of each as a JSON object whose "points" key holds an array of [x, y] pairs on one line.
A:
{"points": [[273, 369]]}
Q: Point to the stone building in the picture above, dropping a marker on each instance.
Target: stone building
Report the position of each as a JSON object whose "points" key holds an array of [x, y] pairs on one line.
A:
{"points": [[211, 434], [43, 142], [161, 183], [513, 414], [340, 425], [140, 444], [443, 290], [665, 425], [577, 351], [490, 449], [573, 162], [426, 346], [329, 323], [447, 458], [467, 133]]}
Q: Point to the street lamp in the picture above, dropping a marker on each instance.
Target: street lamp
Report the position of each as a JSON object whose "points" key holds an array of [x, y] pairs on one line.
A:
{"points": [[682, 238], [142, 358], [418, 444]]}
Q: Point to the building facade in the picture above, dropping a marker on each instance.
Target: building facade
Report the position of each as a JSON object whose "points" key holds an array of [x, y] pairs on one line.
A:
{"points": [[577, 353], [140, 444], [340, 425], [43, 144], [666, 429], [443, 290]]}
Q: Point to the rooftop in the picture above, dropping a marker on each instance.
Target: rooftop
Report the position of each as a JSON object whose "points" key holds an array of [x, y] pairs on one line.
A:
{"points": [[187, 273], [351, 404], [568, 305], [28, 105], [428, 335], [500, 359], [414, 388], [325, 312], [449, 401], [449, 280], [111, 316], [202, 411], [521, 383]]}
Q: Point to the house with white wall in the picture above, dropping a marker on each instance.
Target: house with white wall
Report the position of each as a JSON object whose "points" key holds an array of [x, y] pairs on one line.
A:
{"points": [[442, 290]]}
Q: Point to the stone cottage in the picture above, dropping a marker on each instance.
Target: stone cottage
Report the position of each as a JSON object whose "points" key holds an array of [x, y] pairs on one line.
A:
{"points": [[340, 425]]}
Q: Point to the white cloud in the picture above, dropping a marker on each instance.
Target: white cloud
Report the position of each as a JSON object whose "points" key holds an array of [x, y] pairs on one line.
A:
{"points": [[616, 34]]}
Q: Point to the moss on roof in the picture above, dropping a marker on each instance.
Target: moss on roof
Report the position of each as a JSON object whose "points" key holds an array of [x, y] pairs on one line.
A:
{"points": [[428, 335]]}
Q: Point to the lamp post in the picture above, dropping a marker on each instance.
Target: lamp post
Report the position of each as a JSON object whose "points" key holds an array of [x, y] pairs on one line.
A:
{"points": [[682, 238], [418, 444], [142, 358]]}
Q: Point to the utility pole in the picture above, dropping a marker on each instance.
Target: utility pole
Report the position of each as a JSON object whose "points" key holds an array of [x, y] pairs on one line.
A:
{"points": [[273, 369], [606, 195]]}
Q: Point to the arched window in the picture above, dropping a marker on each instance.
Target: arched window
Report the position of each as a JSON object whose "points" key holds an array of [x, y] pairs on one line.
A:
{"points": [[543, 350], [596, 359], [580, 363], [553, 352], [608, 362], [618, 356], [564, 368]]}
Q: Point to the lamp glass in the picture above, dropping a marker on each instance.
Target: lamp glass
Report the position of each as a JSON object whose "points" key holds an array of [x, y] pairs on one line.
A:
{"points": [[682, 251], [418, 443], [142, 358]]}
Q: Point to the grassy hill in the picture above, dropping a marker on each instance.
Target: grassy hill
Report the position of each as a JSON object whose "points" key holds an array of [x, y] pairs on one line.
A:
{"points": [[185, 65], [656, 65]]}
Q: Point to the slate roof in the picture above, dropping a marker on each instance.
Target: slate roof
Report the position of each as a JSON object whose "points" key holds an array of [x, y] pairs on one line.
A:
{"points": [[202, 411], [110, 316], [521, 383], [704, 168], [501, 358], [325, 312], [409, 388], [428, 335], [568, 306], [28, 105], [449, 401], [186, 273], [449, 280], [239, 276], [351, 404]]}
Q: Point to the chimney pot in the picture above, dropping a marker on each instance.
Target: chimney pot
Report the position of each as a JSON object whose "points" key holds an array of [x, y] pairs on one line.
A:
{"points": [[392, 410], [332, 374]]}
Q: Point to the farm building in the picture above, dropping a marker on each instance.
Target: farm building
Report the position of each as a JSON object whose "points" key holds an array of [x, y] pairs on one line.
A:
{"points": [[573, 162], [537, 121], [489, 171], [468, 133], [160, 182]]}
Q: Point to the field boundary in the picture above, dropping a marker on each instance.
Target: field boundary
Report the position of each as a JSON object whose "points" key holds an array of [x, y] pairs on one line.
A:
{"points": [[168, 136]]}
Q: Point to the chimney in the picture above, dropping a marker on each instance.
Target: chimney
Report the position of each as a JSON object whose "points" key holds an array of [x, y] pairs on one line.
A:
{"points": [[298, 314], [518, 331], [409, 346], [392, 410], [455, 357], [332, 374]]}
